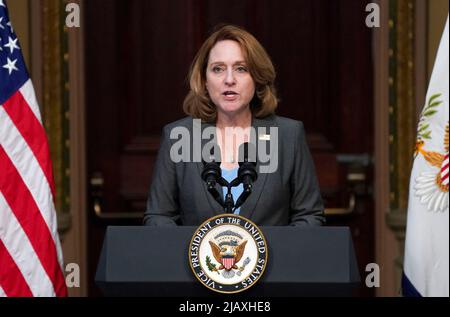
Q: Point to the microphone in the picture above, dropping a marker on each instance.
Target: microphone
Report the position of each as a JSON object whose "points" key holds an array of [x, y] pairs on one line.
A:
{"points": [[212, 174], [247, 166], [247, 171]]}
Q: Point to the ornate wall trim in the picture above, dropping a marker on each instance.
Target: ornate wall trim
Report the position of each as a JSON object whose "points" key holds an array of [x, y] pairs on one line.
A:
{"points": [[384, 240], [407, 57], [402, 109], [55, 102], [57, 67]]}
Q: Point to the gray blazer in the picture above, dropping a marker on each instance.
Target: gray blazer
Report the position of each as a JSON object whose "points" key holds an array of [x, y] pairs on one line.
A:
{"points": [[288, 196]]}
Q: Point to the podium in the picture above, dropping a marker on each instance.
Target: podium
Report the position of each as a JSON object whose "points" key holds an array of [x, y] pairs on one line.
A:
{"points": [[153, 261]]}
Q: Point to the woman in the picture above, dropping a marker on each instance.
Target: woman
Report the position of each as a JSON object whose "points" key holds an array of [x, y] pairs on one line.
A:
{"points": [[232, 89]]}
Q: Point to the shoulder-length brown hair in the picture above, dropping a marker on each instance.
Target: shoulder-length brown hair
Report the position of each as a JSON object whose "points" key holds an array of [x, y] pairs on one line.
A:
{"points": [[198, 104]]}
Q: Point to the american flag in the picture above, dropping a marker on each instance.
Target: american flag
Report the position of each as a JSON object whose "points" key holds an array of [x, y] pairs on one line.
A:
{"points": [[30, 251]]}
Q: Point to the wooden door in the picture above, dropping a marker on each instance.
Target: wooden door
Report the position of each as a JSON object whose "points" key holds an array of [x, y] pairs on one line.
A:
{"points": [[138, 54]]}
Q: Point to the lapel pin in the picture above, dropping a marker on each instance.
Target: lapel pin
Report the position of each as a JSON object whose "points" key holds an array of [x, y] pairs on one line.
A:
{"points": [[264, 137]]}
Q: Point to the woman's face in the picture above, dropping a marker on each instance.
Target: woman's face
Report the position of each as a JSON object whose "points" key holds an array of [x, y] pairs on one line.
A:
{"points": [[228, 80]]}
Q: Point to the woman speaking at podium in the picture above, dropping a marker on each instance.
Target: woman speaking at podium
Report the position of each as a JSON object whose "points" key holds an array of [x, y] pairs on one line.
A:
{"points": [[232, 89]]}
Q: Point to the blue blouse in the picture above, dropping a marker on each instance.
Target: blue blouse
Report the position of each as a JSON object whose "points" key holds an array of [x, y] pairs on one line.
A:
{"points": [[229, 175]]}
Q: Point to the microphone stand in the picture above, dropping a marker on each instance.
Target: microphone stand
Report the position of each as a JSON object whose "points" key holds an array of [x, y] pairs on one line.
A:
{"points": [[228, 205], [229, 201], [212, 174]]}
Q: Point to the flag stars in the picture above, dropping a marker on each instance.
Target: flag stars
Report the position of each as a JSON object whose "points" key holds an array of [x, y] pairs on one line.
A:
{"points": [[10, 26], [12, 44], [11, 65], [2, 4], [1, 25]]}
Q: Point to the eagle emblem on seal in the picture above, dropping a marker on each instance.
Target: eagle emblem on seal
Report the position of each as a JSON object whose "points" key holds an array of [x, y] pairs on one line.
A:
{"points": [[228, 249]]}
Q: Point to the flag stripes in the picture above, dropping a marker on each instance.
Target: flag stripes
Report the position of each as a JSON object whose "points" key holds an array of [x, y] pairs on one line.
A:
{"points": [[28, 167], [444, 171], [28, 94], [11, 279], [32, 131], [20, 248], [21, 202]]}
